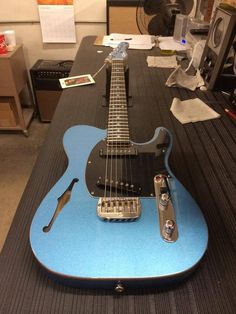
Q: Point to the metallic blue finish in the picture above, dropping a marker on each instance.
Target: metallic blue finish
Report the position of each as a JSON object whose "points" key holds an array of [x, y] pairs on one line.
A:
{"points": [[82, 246]]}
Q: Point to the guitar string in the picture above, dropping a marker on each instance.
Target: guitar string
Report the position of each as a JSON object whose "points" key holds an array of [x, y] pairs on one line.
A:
{"points": [[116, 148], [107, 154], [128, 156], [121, 112], [106, 169], [117, 108], [117, 78], [125, 129], [111, 126], [115, 127], [111, 129], [124, 107], [116, 111]]}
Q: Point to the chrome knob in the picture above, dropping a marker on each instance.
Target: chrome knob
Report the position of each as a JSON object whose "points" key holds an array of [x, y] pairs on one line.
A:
{"points": [[164, 200], [119, 288], [169, 227]]}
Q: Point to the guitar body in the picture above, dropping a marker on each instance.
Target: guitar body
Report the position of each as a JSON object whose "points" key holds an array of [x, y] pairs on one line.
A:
{"points": [[79, 248]]}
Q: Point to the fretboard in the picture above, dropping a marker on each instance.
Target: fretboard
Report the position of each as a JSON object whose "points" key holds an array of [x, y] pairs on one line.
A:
{"points": [[118, 127]]}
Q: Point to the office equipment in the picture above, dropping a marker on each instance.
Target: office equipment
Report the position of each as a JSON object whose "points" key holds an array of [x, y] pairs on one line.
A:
{"points": [[214, 58], [45, 75], [180, 30]]}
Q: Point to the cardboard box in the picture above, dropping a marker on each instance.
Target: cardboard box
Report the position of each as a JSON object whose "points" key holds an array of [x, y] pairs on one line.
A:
{"points": [[8, 116]]}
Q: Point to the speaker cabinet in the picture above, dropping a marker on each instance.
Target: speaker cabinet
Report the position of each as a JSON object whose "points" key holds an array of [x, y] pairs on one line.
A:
{"points": [[220, 40], [45, 75], [47, 102]]}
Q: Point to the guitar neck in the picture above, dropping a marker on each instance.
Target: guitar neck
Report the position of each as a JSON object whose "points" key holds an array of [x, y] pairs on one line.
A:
{"points": [[118, 127]]}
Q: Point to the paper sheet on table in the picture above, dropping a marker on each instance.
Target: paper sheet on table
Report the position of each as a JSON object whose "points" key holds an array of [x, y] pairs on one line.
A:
{"points": [[168, 43], [135, 41], [192, 110], [162, 62]]}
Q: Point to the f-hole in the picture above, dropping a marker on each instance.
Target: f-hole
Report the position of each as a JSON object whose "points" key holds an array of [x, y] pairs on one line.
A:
{"points": [[61, 202]]}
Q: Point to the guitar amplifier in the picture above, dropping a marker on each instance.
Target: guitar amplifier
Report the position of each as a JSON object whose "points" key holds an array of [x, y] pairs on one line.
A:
{"points": [[45, 75]]}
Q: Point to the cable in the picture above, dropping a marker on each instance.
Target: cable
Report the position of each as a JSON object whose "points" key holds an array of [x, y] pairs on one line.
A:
{"points": [[193, 55], [99, 70]]}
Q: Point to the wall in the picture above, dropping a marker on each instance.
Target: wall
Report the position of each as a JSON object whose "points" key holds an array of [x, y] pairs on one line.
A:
{"points": [[22, 16]]}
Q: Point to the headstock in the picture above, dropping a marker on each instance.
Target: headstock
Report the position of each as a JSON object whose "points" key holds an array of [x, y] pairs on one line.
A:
{"points": [[119, 53]]}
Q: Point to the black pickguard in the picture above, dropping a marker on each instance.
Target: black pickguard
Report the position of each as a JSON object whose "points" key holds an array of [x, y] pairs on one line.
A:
{"points": [[128, 175]]}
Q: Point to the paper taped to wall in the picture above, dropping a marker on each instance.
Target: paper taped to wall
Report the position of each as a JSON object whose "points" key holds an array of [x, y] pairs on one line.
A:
{"points": [[57, 23]]}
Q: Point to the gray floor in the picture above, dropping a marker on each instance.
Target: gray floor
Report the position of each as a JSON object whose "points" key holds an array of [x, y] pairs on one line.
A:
{"points": [[17, 157]]}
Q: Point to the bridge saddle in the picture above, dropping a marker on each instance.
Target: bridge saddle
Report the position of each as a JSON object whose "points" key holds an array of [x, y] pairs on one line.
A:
{"points": [[119, 209]]}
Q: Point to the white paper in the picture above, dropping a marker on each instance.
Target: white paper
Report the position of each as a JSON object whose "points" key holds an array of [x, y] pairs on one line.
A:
{"points": [[134, 41], [162, 62], [57, 23], [192, 110]]}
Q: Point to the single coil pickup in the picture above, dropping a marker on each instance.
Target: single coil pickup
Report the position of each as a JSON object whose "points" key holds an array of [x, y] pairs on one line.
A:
{"points": [[119, 186], [117, 209], [118, 151]]}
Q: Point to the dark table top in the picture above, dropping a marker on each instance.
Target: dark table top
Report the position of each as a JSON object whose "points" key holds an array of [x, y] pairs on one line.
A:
{"points": [[203, 159]]}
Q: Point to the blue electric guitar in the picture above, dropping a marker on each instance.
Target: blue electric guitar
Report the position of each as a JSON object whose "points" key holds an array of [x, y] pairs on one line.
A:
{"points": [[118, 217]]}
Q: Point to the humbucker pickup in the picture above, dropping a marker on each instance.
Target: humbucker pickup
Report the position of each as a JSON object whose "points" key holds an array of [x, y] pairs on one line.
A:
{"points": [[119, 209]]}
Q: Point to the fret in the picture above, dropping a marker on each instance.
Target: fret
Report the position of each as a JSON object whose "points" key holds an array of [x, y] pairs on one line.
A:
{"points": [[119, 126], [117, 129], [118, 94], [116, 115], [118, 132], [118, 107], [118, 100], [115, 111], [120, 122], [118, 140]]}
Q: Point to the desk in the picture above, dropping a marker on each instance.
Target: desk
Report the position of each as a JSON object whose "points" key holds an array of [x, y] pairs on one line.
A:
{"points": [[13, 79], [203, 159]]}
